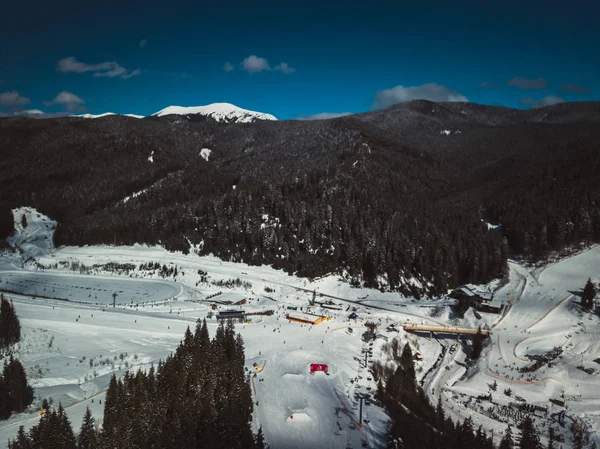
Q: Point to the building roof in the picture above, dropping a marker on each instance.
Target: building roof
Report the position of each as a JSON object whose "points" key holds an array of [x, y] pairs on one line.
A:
{"points": [[308, 317], [488, 296], [466, 290], [496, 303], [230, 312]]}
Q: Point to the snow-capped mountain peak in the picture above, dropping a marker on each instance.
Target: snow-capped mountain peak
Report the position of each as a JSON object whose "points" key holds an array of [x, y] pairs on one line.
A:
{"points": [[221, 112]]}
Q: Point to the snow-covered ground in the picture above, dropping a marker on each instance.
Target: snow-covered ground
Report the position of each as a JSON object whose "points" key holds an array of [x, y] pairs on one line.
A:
{"points": [[73, 339]]}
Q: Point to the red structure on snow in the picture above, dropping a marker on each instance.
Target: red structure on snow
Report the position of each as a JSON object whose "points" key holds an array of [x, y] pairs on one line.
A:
{"points": [[314, 367]]}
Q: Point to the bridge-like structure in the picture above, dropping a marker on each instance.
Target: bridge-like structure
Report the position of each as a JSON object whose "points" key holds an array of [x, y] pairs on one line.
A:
{"points": [[456, 330]]}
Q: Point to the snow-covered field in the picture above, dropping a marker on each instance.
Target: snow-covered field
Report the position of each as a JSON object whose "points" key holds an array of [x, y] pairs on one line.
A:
{"points": [[73, 339]]}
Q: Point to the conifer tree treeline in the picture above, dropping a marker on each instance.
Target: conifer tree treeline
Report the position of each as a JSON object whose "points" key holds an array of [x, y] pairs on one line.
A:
{"points": [[415, 421], [10, 328], [417, 424], [15, 392], [199, 397]]}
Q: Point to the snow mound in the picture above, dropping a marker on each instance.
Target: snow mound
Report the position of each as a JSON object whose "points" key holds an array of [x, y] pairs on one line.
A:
{"points": [[37, 236], [221, 112]]}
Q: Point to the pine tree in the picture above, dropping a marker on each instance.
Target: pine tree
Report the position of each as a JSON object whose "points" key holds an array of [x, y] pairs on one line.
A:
{"points": [[88, 439], [578, 440], [111, 413], [10, 328], [481, 440], [20, 394], [22, 441], [507, 440], [551, 436], [23, 221], [528, 438], [589, 293], [65, 435], [259, 440], [408, 365], [440, 415], [477, 344], [5, 403]]}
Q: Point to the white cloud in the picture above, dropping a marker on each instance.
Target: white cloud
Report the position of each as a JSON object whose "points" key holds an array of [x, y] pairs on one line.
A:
{"points": [[104, 69], [68, 100], [324, 115], [523, 83], [430, 91], [30, 112], [575, 89], [546, 101], [486, 85], [143, 43], [13, 98], [284, 68], [132, 73], [228, 67], [253, 64]]}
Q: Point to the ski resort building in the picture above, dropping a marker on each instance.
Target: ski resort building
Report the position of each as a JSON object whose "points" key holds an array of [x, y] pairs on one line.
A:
{"points": [[494, 306], [330, 306], [471, 292], [306, 318], [231, 315]]}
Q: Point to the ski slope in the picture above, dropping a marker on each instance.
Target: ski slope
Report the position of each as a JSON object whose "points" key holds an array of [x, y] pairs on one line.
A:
{"points": [[545, 314], [295, 409]]}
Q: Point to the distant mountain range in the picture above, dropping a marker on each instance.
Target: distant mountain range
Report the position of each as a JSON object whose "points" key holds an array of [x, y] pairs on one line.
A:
{"points": [[396, 198]]}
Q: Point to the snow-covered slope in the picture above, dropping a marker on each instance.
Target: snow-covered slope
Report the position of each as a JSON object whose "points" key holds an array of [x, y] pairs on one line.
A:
{"points": [[33, 234], [105, 114], [221, 112]]}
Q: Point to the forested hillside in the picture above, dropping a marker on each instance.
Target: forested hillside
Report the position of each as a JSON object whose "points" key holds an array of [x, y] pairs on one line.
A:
{"points": [[395, 198]]}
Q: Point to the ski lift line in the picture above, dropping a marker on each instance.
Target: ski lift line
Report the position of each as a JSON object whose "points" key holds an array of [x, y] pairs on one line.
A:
{"points": [[500, 348], [358, 425]]}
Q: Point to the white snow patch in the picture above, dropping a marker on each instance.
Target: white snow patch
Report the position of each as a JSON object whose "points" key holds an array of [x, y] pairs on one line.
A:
{"points": [[151, 157], [205, 153]]}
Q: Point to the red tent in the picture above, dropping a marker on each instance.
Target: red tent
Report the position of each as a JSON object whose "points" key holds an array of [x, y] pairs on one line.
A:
{"points": [[314, 367]]}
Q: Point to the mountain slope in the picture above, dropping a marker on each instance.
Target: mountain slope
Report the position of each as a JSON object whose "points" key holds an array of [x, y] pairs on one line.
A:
{"points": [[221, 112], [386, 197]]}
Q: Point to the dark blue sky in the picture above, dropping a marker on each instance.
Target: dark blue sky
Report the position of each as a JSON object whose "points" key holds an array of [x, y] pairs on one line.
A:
{"points": [[343, 57]]}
